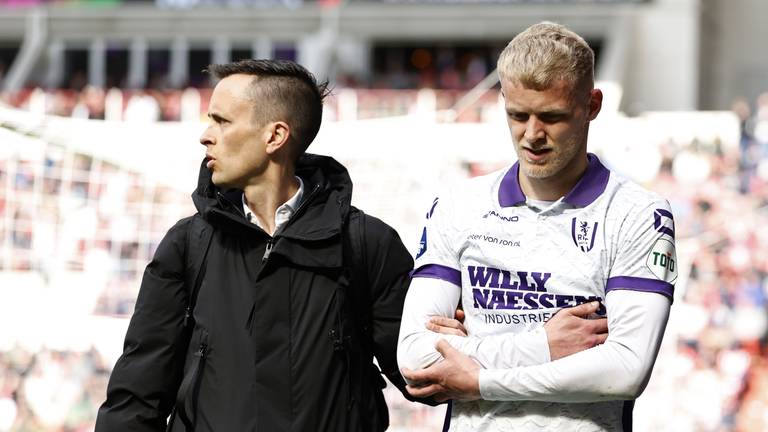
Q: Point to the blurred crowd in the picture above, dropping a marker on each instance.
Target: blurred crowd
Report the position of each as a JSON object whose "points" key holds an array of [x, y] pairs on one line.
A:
{"points": [[717, 378], [713, 375], [191, 104], [403, 79], [68, 211], [50, 391]]}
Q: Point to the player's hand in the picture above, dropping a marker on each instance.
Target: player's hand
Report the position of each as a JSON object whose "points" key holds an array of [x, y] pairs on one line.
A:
{"points": [[455, 377], [570, 331], [445, 325]]}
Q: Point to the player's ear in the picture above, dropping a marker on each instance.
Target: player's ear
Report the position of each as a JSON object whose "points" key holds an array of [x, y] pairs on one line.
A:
{"points": [[595, 103]]}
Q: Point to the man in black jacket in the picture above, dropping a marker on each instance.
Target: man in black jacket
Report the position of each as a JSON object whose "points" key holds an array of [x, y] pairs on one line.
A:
{"points": [[282, 333]]}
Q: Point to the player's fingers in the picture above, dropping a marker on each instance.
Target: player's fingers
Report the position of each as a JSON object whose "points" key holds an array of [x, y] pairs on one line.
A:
{"points": [[444, 348], [414, 376], [449, 323], [599, 325], [600, 338], [583, 309], [446, 322], [460, 315], [444, 330], [425, 391]]}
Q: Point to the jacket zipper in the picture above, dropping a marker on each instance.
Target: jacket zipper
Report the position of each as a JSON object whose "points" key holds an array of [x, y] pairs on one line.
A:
{"points": [[271, 241], [186, 402], [268, 249], [202, 352]]}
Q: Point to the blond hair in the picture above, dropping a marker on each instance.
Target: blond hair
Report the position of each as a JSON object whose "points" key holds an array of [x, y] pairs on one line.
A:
{"points": [[545, 53]]}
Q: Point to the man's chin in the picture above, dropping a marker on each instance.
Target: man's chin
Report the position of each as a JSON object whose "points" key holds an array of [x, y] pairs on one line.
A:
{"points": [[537, 171], [218, 181]]}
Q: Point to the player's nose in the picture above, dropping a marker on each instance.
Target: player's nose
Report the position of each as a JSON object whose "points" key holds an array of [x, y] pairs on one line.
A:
{"points": [[534, 130]]}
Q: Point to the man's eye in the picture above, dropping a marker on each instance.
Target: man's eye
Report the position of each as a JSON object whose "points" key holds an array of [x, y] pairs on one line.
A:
{"points": [[554, 118], [519, 117]]}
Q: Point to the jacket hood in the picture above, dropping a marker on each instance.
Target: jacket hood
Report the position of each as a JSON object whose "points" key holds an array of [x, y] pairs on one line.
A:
{"points": [[327, 197]]}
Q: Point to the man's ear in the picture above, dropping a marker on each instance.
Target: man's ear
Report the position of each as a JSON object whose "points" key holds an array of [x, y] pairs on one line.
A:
{"points": [[279, 133], [595, 103]]}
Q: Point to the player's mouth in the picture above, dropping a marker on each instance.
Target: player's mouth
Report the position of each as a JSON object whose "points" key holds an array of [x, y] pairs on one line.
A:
{"points": [[209, 161], [536, 155]]}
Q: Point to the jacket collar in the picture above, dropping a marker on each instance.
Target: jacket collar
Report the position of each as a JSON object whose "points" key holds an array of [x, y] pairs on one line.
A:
{"points": [[312, 237], [591, 185]]}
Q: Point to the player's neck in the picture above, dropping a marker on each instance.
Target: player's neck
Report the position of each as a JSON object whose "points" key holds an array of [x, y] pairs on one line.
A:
{"points": [[554, 187]]}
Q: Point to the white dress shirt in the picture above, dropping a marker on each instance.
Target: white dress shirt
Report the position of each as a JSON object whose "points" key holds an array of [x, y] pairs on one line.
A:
{"points": [[282, 214]]}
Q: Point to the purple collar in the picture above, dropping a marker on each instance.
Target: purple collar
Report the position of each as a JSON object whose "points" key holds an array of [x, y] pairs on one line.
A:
{"points": [[589, 187]]}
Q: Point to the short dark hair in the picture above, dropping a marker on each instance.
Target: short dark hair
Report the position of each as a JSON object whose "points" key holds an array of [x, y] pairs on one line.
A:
{"points": [[285, 91]]}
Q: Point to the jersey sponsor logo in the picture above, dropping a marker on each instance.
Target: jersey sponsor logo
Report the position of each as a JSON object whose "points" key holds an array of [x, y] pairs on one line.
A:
{"points": [[500, 216], [480, 276], [494, 288], [523, 318], [663, 222], [518, 300], [661, 260], [583, 236], [494, 240]]}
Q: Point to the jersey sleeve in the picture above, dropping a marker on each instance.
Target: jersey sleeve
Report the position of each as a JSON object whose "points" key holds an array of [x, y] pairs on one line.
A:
{"points": [[437, 256], [645, 258], [618, 369]]}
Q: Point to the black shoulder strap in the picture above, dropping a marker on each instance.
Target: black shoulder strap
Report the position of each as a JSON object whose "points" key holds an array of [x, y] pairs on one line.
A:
{"points": [[371, 380], [359, 270], [199, 238]]}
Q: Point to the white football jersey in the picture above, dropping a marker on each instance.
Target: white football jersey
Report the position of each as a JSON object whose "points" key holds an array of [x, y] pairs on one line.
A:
{"points": [[517, 265]]}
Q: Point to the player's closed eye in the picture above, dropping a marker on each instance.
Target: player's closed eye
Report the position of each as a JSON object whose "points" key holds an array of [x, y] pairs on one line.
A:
{"points": [[518, 117], [551, 118]]}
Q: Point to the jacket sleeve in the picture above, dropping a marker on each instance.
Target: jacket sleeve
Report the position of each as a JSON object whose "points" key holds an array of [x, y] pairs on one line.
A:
{"points": [[389, 265], [143, 384]]}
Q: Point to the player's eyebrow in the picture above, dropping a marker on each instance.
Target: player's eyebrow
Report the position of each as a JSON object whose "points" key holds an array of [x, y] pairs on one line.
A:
{"points": [[218, 118], [555, 113], [551, 114], [547, 111]]}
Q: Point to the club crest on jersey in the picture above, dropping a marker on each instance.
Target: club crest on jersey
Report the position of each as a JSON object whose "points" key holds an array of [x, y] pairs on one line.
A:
{"points": [[583, 235]]}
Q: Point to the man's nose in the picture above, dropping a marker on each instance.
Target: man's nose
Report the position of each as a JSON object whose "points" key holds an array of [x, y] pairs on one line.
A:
{"points": [[534, 130], [207, 138]]}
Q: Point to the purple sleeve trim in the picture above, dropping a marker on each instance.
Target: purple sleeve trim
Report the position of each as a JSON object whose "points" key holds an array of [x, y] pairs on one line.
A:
{"points": [[640, 284], [437, 271]]}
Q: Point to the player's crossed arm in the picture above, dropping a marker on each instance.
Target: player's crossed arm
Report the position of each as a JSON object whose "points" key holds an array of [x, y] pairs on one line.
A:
{"points": [[617, 369], [456, 377], [425, 320], [569, 331]]}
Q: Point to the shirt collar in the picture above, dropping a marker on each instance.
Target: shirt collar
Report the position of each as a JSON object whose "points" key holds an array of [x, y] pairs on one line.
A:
{"points": [[282, 213], [591, 185]]}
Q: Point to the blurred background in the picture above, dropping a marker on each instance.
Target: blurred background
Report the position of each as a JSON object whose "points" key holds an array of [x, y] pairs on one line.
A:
{"points": [[102, 102]]}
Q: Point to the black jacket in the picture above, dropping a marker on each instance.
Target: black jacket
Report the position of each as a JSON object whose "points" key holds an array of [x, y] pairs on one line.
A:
{"points": [[281, 341]]}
